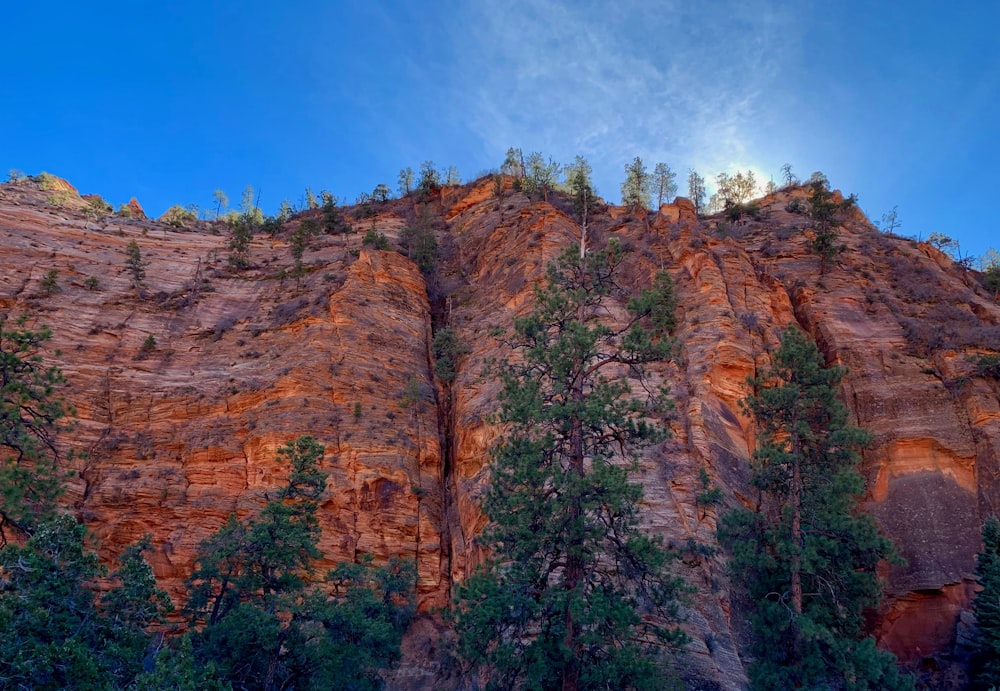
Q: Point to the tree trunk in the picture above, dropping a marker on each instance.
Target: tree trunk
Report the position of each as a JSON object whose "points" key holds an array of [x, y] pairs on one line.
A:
{"points": [[574, 559], [796, 585]]}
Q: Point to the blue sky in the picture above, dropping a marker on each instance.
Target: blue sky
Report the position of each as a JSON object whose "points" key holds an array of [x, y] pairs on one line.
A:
{"points": [[895, 101]]}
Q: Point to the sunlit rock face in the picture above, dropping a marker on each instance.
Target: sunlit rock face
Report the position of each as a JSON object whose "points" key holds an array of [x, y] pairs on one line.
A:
{"points": [[174, 433]]}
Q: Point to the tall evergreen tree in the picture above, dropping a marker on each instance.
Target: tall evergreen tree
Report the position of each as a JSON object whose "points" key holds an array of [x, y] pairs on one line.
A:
{"points": [[806, 553], [405, 181], [430, 178], [513, 164], [540, 176], [696, 191], [664, 183], [581, 188], [635, 189], [824, 212], [30, 415], [575, 594], [985, 672]]}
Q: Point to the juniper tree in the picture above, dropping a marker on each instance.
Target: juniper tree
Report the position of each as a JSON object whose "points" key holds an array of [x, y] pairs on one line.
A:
{"points": [[805, 552], [240, 235], [574, 594]]}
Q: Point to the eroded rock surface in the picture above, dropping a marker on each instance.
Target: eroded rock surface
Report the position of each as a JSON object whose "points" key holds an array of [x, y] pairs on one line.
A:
{"points": [[179, 435]]}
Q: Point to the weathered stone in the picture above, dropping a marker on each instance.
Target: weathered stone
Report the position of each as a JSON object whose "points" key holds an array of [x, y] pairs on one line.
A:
{"points": [[178, 437]]}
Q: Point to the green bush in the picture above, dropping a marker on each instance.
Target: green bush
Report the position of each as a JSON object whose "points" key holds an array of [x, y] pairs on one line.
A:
{"points": [[375, 239], [988, 365], [420, 245], [447, 350], [991, 279], [178, 216], [796, 206], [49, 285]]}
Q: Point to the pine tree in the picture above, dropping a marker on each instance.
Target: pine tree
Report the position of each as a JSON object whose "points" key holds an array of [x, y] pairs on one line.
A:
{"points": [[823, 210], [805, 552], [540, 176], [135, 264], [581, 188], [263, 626], [574, 594], [54, 634], [664, 183], [635, 189], [221, 202], [696, 191], [985, 668], [405, 181], [240, 236], [30, 415]]}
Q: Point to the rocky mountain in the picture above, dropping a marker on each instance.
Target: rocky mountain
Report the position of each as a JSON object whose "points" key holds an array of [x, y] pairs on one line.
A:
{"points": [[186, 382]]}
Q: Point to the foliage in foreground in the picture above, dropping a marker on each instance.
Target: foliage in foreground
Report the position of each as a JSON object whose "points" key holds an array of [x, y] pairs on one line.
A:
{"points": [[575, 595], [985, 668], [806, 553], [262, 624], [55, 633], [30, 414]]}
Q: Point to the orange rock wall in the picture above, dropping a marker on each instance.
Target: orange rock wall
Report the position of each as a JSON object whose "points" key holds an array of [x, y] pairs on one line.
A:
{"points": [[178, 437]]}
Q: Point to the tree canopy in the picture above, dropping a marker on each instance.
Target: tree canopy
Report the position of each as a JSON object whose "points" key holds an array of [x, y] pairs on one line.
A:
{"points": [[574, 594], [805, 552]]}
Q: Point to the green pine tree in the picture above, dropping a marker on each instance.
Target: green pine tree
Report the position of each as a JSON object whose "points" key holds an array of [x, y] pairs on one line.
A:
{"points": [[824, 212], [262, 625], [806, 553], [575, 594], [54, 634], [30, 415], [985, 669], [636, 188]]}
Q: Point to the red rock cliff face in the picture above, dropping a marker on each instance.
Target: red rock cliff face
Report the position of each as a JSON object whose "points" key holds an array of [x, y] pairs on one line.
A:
{"points": [[178, 436]]}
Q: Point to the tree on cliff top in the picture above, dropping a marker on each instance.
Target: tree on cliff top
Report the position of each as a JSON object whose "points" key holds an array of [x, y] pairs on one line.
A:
{"points": [[574, 594], [696, 191], [805, 552], [636, 188], [664, 183], [825, 213]]}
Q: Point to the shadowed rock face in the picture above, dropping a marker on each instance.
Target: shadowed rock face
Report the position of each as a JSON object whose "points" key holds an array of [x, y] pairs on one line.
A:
{"points": [[179, 436]]}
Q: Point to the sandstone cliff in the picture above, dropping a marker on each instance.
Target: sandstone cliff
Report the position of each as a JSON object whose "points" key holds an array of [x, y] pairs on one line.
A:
{"points": [[178, 435]]}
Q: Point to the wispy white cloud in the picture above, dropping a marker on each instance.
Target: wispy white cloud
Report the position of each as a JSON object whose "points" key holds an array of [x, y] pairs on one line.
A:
{"points": [[670, 82]]}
